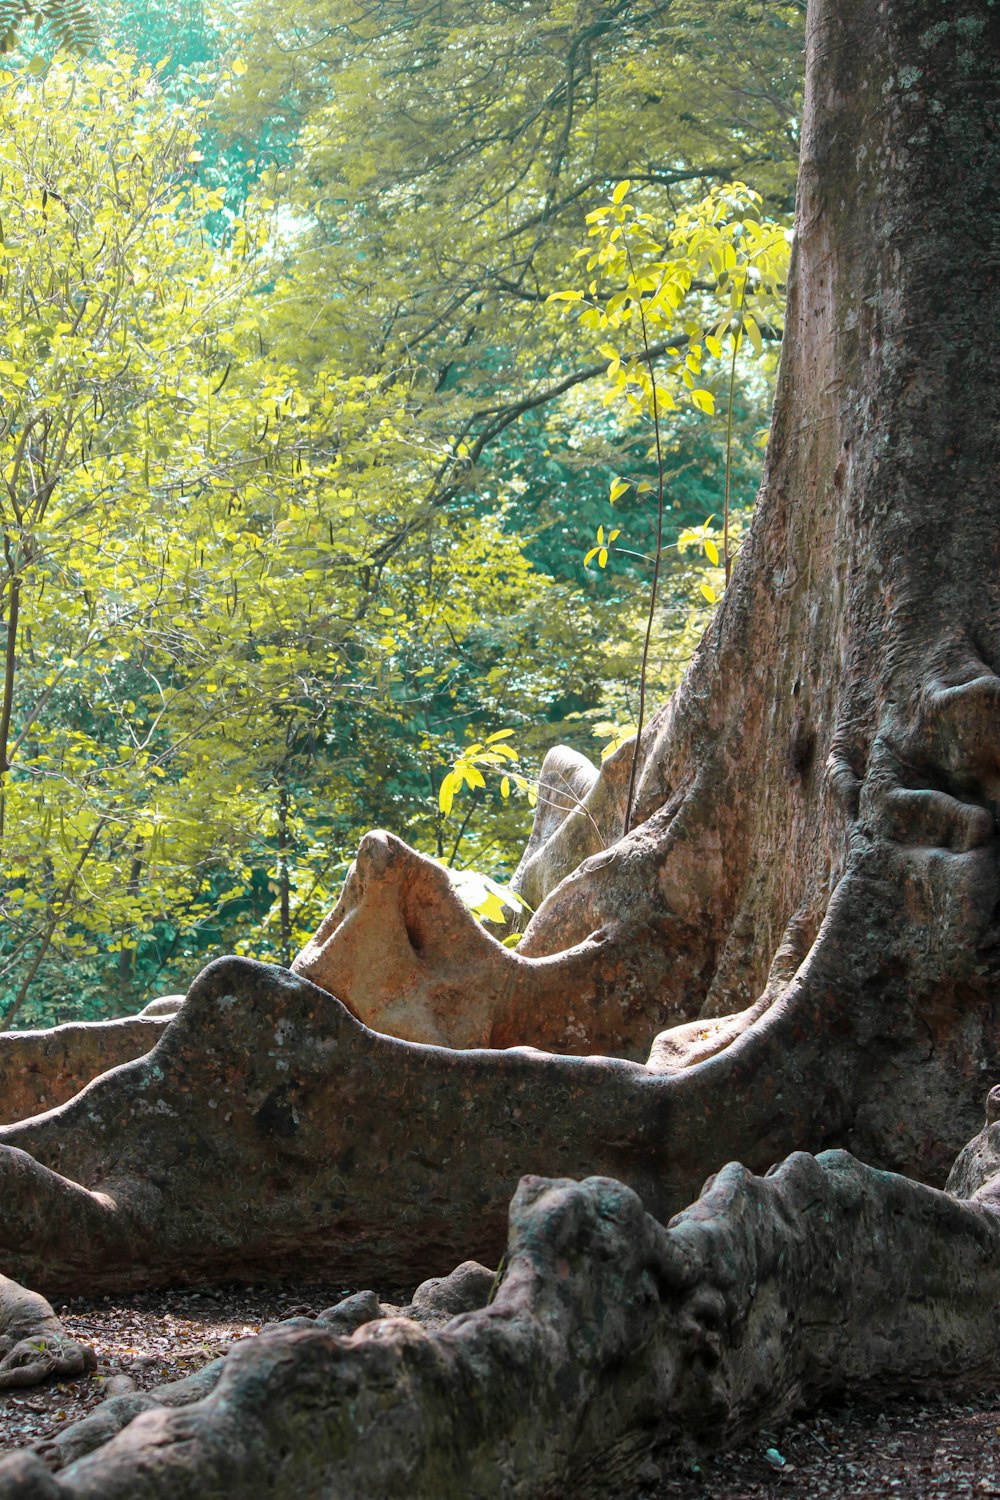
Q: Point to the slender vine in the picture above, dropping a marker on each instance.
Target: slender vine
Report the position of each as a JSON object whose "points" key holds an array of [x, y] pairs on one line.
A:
{"points": [[657, 561], [726, 559]]}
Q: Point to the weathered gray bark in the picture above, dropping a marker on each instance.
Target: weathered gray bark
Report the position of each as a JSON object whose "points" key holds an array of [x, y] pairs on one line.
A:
{"points": [[268, 1131], [810, 904], [42, 1069], [611, 1342]]}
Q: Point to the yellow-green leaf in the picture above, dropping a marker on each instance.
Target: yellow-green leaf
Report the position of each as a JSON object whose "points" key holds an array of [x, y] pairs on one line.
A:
{"points": [[446, 795], [704, 401], [491, 909]]}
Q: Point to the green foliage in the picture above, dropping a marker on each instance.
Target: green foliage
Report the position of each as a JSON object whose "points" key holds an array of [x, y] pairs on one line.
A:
{"points": [[69, 23], [175, 510], [723, 249], [298, 472], [441, 157], [494, 754], [717, 279]]}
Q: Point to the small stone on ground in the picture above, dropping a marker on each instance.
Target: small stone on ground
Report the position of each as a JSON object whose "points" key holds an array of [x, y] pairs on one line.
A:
{"points": [[907, 1449]]}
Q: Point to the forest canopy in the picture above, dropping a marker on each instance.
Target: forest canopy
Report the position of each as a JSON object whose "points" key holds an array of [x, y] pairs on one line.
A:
{"points": [[359, 369]]}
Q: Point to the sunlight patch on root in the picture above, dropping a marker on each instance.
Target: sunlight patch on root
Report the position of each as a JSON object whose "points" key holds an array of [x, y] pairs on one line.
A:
{"points": [[408, 959], [405, 955]]}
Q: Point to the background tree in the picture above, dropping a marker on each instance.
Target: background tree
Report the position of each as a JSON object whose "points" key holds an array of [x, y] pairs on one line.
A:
{"points": [[162, 576], [441, 166]]}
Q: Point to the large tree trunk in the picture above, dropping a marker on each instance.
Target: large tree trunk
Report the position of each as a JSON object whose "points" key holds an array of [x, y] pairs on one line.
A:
{"points": [[810, 904], [814, 877]]}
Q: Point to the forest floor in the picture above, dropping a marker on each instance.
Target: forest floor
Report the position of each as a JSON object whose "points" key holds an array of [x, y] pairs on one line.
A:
{"points": [[906, 1448]]}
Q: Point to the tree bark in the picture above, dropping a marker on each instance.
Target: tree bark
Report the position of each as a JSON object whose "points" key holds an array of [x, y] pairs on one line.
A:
{"points": [[613, 1343], [42, 1069]]}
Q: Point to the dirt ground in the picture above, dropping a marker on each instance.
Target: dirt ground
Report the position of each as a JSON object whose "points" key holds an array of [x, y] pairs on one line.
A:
{"points": [[911, 1449], [917, 1450]]}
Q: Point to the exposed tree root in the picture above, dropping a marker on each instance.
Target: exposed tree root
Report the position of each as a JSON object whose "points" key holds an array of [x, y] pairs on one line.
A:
{"points": [[434, 1304], [610, 1340], [34, 1345], [268, 1128], [408, 958], [40, 1069]]}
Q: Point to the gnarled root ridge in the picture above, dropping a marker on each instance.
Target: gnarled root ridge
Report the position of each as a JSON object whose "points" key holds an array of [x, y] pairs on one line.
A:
{"points": [[42, 1069], [610, 1339], [34, 1345], [269, 1130], [406, 957]]}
